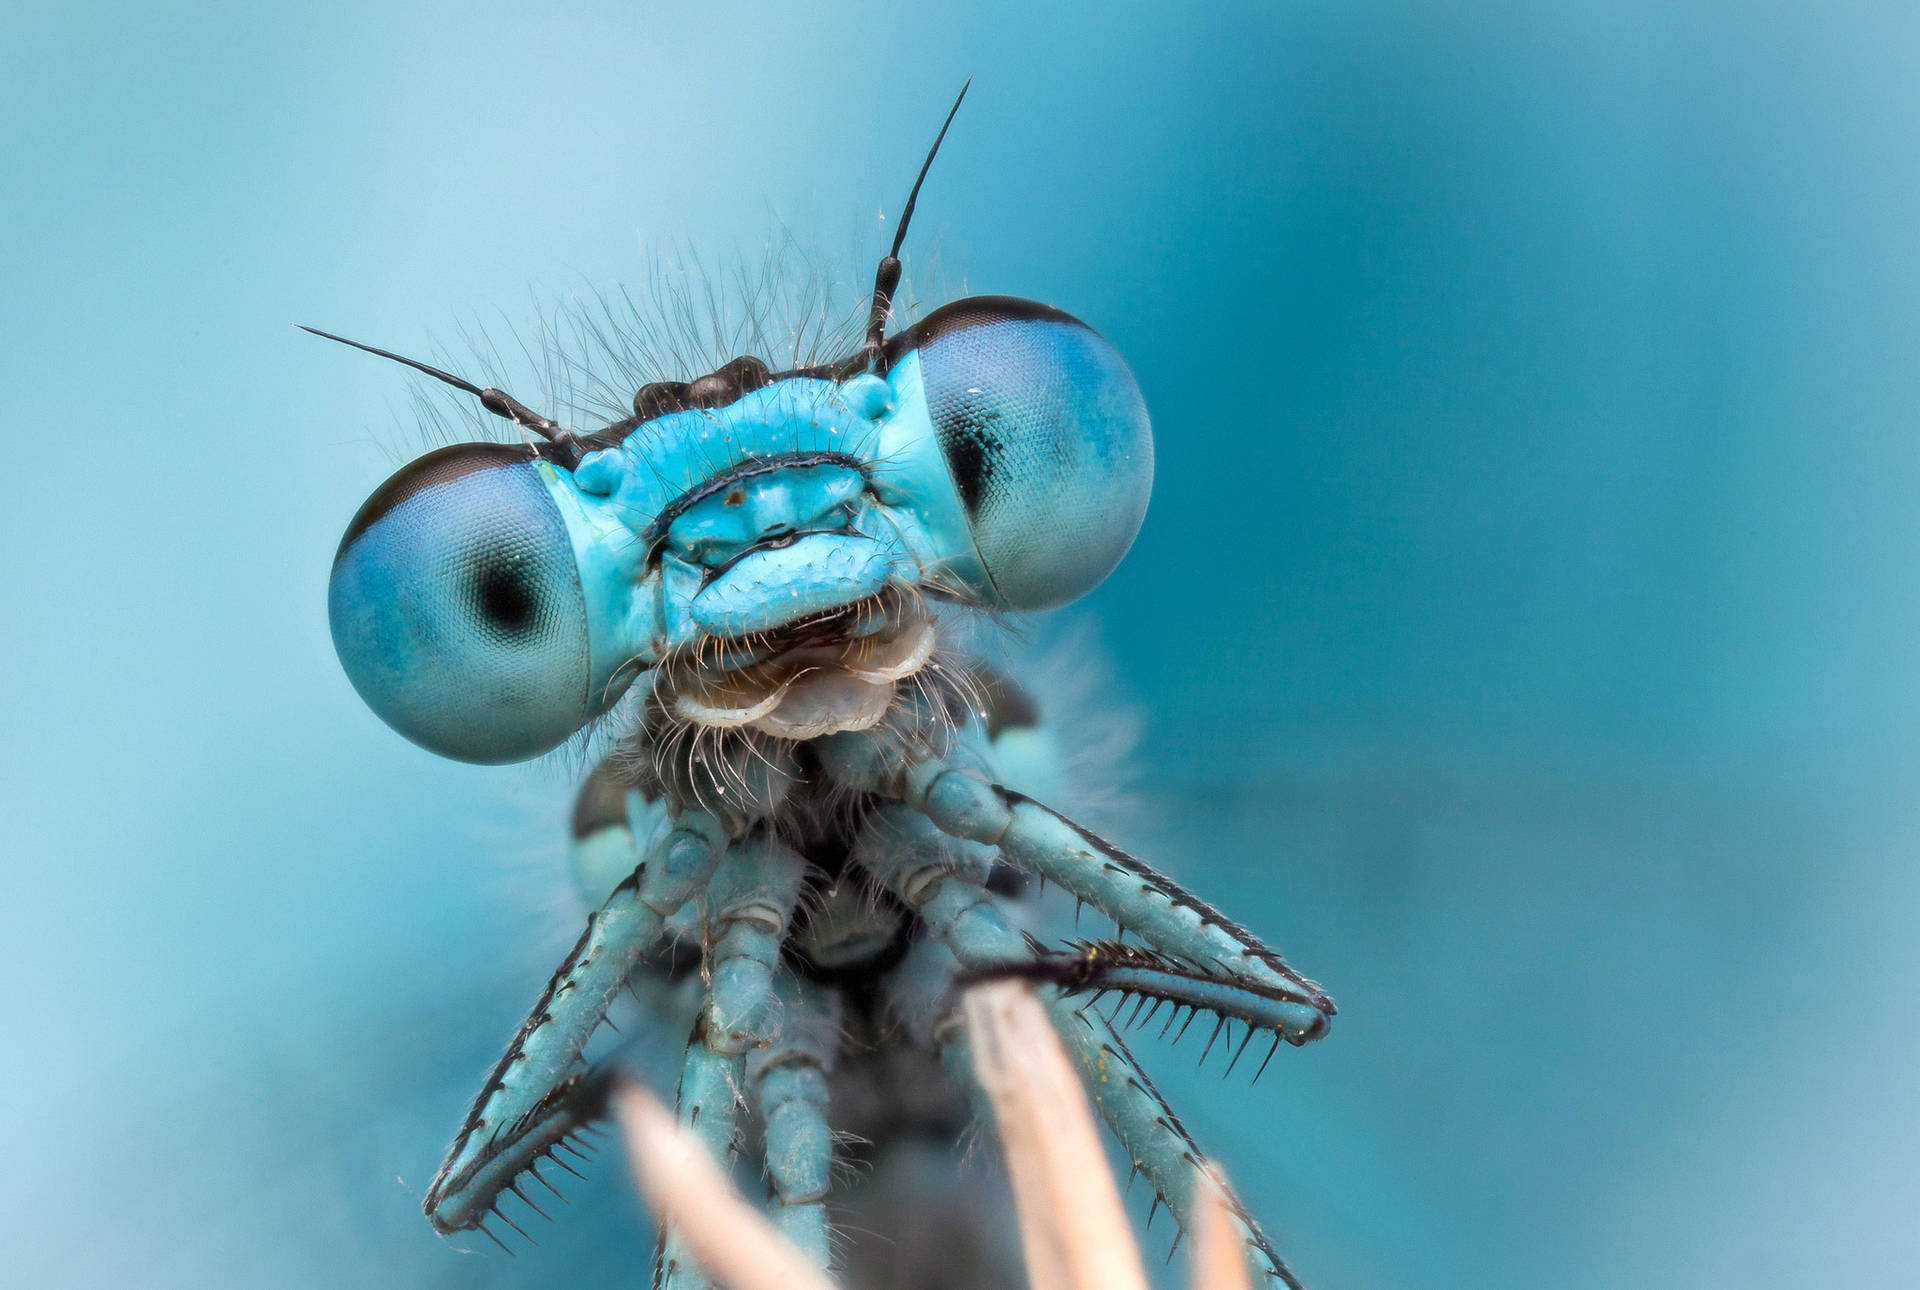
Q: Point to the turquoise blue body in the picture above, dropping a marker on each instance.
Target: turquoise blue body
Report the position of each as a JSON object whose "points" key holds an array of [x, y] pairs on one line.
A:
{"points": [[813, 827]]}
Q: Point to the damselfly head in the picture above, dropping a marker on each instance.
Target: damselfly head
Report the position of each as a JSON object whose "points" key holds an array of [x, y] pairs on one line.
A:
{"points": [[774, 551]]}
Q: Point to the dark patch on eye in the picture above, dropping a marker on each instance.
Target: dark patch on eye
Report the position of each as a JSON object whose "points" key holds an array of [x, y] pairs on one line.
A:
{"points": [[506, 597], [441, 466], [986, 366], [974, 311], [973, 438]]}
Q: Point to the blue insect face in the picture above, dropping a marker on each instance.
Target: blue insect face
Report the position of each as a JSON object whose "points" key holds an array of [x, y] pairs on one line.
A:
{"points": [[457, 609], [766, 545]]}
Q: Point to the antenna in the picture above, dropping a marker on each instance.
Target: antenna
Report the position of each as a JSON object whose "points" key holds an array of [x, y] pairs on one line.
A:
{"points": [[887, 277], [498, 402]]}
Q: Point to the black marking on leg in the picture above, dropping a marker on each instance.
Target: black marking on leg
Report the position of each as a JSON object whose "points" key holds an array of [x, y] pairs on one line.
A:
{"points": [[495, 1208], [1096, 969], [1218, 1026], [1152, 879], [566, 1090], [541, 1178], [1255, 1238], [514, 1187], [532, 1137], [1269, 1057], [1244, 1041]]}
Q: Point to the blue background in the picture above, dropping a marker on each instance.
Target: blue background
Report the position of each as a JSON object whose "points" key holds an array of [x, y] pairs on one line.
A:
{"points": [[1524, 625]]}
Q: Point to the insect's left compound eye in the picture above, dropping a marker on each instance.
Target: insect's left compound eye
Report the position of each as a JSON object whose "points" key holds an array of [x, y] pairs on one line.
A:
{"points": [[457, 610], [1047, 440]]}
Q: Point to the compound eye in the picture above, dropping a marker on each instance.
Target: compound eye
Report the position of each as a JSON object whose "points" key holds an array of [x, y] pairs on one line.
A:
{"points": [[456, 607], [1047, 439]]}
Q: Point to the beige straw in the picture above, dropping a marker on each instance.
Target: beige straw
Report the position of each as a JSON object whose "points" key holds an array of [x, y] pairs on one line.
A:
{"points": [[733, 1241], [1072, 1227], [1219, 1254]]}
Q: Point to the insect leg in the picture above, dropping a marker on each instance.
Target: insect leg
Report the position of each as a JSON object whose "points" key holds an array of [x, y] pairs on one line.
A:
{"points": [[753, 899], [905, 852], [1171, 921], [1149, 1132], [527, 1106], [787, 1085], [1094, 969], [941, 879]]}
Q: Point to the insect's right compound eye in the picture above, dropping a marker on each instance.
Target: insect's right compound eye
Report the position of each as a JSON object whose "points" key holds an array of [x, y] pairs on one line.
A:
{"points": [[457, 610], [1046, 437]]}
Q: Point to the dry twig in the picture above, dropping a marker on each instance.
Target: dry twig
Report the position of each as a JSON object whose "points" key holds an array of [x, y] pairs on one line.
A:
{"points": [[687, 1191], [1072, 1227], [1219, 1259]]}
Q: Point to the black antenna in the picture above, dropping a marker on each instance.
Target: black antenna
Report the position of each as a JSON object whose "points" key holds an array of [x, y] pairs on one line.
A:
{"points": [[887, 277], [498, 402]]}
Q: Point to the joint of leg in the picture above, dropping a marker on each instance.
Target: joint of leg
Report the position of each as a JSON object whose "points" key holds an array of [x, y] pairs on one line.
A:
{"points": [[919, 884], [968, 916], [810, 1197], [966, 862], [687, 858], [963, 805], [739, 1001], [756, 917], [792, 1077], [969, 861], [726, 1041]]}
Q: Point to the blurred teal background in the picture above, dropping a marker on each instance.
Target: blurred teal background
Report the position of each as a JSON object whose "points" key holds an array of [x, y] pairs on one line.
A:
{"points": [[1539, 671]]}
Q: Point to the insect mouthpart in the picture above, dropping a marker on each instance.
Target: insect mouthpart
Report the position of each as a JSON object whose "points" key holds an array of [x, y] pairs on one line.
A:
{"points": [[830, 672]]}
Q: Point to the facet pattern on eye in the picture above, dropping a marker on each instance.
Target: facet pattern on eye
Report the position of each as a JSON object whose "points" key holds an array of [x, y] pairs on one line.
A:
{"points": [[1047, 438], [459, 612]]}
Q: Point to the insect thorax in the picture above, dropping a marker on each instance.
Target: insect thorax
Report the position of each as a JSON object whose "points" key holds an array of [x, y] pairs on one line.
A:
{"points": [[751, 779]]}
